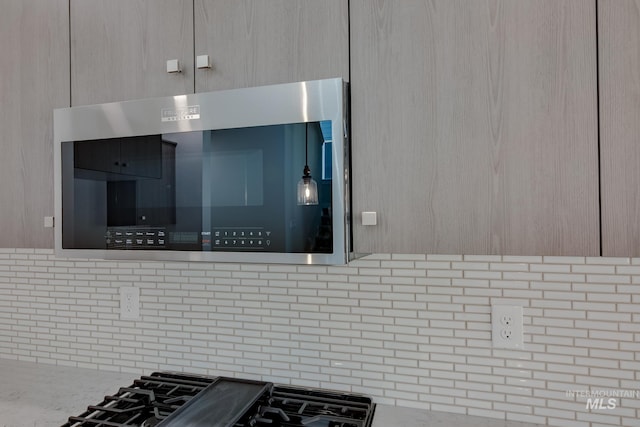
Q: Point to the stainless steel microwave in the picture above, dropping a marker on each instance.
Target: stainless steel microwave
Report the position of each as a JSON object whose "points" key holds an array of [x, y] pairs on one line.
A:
{"points": [[247, 175]]}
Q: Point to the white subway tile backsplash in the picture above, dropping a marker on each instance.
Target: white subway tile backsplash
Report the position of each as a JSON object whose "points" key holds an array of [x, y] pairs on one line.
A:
{"points": [[609, 297], [437, 257], [608, 260], [594, 269], [470, 265], [604, 278], [521, 276], [411, 330], [563, 260], [504, 266], [550, 268], [472, 274], [433, 265], [444, 273]]}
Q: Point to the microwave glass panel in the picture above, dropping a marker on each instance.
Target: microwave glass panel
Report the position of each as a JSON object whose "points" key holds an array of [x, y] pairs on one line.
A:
{"points": [[213, 190]]}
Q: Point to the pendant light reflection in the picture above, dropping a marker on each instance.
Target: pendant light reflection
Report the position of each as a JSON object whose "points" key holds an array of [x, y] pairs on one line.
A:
{"points": [[307, 187]]}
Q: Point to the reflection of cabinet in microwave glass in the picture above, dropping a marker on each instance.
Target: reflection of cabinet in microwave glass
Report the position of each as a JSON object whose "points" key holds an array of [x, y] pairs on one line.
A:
{"points": [[143, 200], [138, 174], [137, 156]]}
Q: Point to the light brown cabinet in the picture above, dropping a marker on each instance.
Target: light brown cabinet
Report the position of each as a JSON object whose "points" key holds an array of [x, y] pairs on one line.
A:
{"points": [[254, 42], [34, 79], [119, 48], [619, 62], [475, 126]]}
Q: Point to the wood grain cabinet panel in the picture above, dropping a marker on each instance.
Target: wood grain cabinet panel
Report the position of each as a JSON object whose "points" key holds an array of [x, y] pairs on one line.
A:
{"points": [[619, 62], [34, 79], [475, 126], [256, 42], [119, 49]]}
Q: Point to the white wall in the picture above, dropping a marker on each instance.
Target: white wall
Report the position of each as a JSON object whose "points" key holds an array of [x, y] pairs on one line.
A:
{"points": [[411, 330]]}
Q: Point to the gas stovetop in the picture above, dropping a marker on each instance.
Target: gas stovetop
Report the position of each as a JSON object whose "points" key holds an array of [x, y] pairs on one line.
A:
{"points": [[168, 399]]}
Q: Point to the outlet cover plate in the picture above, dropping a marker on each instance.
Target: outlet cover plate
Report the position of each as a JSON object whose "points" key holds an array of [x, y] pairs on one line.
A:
{"points": [[129, 303], [506, 326]]}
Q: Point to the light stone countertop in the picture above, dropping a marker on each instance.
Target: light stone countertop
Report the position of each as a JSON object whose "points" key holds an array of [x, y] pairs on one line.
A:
{"points": [[395, 416], [37, 395]]}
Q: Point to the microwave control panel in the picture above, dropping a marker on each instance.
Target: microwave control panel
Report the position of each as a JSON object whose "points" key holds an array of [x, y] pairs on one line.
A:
{"points": [[238, 238], [135, 238]]}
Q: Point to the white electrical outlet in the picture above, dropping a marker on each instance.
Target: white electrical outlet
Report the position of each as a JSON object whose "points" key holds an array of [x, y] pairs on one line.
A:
{"points": [[129, 303], [506, 326]]}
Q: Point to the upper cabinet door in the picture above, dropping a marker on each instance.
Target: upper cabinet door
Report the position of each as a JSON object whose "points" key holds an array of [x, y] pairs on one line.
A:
{"points": [[120, 48], [619, 47], [34, 79], [257, 42], [475, 126]]}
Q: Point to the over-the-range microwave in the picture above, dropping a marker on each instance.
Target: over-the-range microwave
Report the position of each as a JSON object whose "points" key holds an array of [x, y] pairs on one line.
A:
{"points": [[257, 174]]}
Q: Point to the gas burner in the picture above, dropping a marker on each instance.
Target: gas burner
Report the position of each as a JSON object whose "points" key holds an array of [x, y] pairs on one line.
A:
{"points": [[150, 422], [167, 399]]}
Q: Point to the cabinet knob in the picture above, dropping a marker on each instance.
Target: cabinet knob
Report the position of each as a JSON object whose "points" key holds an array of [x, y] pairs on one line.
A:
{"points": [[369, 218], [203, 62], [173, 66]]}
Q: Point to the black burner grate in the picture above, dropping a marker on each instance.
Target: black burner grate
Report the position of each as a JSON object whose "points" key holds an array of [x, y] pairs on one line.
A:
{"points": [[145, 403], [152, 399]]}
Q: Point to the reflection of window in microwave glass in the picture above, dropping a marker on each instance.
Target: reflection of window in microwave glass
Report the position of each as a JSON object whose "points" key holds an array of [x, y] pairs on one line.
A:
{"points": [[233, 165], [325, 127], [242, 175]]}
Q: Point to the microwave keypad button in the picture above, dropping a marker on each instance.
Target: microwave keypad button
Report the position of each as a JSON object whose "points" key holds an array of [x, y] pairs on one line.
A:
{"points": [[240, 238]]}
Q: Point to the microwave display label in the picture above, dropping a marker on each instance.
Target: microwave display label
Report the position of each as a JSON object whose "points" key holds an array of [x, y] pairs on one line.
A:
{"points": [[190, 112]]}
